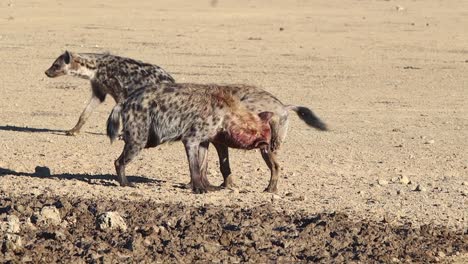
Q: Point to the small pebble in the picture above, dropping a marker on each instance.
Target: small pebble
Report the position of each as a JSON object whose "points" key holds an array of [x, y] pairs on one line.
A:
{"points": [[429, 142], [275, 197], [382, 182], [404, 180], [111, 220], [419, 188], [399, 8], [42, 171]]}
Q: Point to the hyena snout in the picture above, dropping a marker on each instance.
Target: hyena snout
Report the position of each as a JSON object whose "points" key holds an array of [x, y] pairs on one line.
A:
{"points": [[52, 73]]}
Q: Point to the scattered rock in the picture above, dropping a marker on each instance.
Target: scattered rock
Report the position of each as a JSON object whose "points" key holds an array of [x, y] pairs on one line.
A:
{"points": [[111, 220], [419, 188], [12, 242], [465, 183], [429, 142], [464, 193], [20, 208], [404, 180], [382, 182], [42, 171], [49, 215], [399, 8], [275, 197], [12, 224]]}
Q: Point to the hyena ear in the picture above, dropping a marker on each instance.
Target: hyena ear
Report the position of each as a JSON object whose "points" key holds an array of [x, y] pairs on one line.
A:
{"points": [[265, 116], [67, 57]]}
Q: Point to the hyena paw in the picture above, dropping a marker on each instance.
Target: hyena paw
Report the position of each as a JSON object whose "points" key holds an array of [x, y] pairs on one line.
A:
{"points": [[72, 132], [228, 185], [199, 190], [212, 188], [271, 189], [127, 184]]}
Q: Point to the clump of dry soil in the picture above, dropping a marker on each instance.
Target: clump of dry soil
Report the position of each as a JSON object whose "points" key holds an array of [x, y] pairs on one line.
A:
{"points": [[68, 229]]}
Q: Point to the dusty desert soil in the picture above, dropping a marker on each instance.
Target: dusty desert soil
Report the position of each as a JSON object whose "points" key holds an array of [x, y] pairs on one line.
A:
{"points": [[388, 77]]}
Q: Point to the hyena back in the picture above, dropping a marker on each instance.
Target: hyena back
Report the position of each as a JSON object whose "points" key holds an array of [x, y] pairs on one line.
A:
{"points": [[108, 74], [194, 115]]}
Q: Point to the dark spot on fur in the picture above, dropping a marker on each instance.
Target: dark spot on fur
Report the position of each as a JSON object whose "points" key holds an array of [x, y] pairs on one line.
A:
{"points": [[168, 90]]}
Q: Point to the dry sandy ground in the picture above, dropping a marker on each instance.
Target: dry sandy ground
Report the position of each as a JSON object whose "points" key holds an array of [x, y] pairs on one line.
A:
{"points": [[390, 78]]}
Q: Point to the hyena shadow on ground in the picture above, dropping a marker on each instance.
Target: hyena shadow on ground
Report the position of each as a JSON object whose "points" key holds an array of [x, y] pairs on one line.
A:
{"points": [[31, 129], [94, 179], [42, 130]]}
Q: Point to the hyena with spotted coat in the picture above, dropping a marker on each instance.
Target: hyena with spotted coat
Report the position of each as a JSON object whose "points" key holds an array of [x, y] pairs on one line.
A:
{"points": [[189, 113], [108, 74], [252, 98]]}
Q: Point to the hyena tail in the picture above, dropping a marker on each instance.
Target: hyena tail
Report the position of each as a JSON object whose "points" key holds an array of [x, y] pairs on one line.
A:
{"points": [[113, 122], [308, 117]]}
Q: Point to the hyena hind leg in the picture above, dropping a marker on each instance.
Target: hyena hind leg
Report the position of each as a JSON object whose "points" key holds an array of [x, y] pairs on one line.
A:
{"points": [[270, 159], [279, 129], [129, 152]]}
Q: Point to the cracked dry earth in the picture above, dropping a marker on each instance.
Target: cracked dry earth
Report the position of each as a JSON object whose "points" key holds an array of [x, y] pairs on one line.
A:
{"points": [[387, 183]]}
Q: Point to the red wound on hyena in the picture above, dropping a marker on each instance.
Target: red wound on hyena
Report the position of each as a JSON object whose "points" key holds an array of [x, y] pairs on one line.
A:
{"points": [[247, 131]]}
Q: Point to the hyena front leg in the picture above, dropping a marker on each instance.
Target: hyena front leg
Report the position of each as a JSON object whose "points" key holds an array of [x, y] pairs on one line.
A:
{"points": [[92, 104], [129, 152], [223, 155], [192, 149], [203, 157]]}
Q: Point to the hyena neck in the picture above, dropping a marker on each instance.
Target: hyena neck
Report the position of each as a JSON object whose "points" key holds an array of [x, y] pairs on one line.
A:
{"points": [[84, 65]]}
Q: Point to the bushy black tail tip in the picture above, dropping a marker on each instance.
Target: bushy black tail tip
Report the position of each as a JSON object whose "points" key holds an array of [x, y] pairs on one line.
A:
{"points": [[310, 118]]}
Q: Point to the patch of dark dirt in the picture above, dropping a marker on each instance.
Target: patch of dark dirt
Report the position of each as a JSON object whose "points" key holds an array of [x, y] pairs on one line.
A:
{"points": [[176, 233]]}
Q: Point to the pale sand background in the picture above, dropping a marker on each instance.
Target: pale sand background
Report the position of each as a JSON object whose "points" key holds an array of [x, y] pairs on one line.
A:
{"points": [[386, 81]]}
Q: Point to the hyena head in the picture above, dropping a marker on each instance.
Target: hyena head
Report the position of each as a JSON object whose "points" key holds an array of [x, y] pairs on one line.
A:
{"points": [[249, 131], [72, 64]]}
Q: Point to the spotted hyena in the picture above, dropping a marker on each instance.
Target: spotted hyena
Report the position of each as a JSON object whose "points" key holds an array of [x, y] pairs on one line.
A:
{"points": [[192, 114], [174, 103], [108, 74], [258, 100]]}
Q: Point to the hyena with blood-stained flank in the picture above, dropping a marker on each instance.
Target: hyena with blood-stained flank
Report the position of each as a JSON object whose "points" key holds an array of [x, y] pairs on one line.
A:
{"points": [[108, 74], [189, 113]]}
